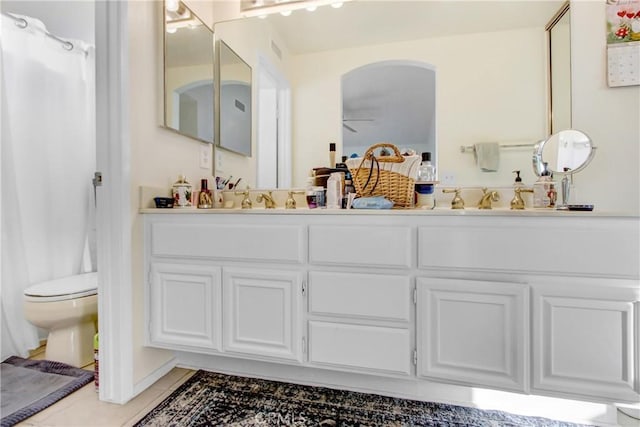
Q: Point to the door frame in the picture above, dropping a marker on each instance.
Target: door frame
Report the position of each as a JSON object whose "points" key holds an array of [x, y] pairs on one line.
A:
{"points": [[113, 215]]}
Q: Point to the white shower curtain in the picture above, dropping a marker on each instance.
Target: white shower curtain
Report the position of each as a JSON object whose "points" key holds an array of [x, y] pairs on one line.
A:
{"points": [[47, 163]]}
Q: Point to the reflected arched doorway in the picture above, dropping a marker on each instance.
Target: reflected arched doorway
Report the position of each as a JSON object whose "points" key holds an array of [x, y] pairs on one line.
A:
{"points": [[391, 101]]}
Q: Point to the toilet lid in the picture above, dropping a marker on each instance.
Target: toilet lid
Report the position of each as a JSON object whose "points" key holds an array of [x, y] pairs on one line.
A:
{"points": [[77, 286]]}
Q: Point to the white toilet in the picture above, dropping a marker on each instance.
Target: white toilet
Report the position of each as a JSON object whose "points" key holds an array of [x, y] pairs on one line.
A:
{"points": [[68, 309]]}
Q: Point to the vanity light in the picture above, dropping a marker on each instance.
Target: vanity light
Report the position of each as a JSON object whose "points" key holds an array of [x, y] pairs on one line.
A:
{"points": [[172, 5], [252, 8]]}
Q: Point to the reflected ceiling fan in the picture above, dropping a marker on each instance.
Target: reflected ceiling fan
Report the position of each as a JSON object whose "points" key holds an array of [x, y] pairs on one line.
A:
{"points": [[349, 128]]}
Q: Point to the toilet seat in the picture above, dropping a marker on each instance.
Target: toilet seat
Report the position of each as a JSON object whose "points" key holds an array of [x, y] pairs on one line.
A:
{"points": [[66, 288]]}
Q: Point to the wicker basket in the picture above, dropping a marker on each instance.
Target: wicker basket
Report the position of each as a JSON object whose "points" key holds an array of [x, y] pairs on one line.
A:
{"points": [[392, 176]]}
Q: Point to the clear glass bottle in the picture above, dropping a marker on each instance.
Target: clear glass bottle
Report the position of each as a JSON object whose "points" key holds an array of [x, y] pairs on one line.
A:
{"points": [[426, 172]]}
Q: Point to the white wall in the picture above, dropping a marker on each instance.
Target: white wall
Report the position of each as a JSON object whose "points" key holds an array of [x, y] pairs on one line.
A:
{"points": [[158, 155], [610, 116]]}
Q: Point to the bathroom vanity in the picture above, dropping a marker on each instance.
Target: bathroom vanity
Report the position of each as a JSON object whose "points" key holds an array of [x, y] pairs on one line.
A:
{"points": [[401, 302]]}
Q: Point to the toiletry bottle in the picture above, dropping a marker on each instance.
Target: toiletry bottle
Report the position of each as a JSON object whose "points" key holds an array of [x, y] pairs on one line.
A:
{"points": [[552, 194], [332, 155], [518, 181], [541, 188], [424, 186], [426, 172], [334, 191], [205, 200]]}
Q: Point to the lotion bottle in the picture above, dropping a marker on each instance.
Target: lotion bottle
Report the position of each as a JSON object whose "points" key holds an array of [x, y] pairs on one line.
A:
{"points": [[334, 191]]}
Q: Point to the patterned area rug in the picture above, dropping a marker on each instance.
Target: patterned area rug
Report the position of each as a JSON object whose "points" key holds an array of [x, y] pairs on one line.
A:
{"points": [[29, 386], [211, 399]]}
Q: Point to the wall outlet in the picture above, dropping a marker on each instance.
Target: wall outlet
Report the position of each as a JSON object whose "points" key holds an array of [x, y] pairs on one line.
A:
{"points": [[447, 179], [205, 156]]}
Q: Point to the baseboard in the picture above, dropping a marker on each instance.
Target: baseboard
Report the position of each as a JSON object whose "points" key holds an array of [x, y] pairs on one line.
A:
{"points": [[567, 410], [150, 379]]}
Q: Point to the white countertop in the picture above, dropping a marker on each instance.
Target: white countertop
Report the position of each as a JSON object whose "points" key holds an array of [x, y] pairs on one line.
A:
{"points": [[426, 212]]}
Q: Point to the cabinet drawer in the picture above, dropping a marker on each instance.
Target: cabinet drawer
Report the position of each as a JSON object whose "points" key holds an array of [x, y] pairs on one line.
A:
{"points": [[358, 346], [374, 246], [234, 242], [373, 296], [608, 249]]}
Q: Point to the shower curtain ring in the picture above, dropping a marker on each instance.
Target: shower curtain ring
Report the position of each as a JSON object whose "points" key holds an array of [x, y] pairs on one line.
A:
{"points": [[68, 45], [22, 23]]}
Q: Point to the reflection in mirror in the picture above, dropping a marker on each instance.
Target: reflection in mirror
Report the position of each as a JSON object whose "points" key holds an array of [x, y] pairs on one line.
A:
{"points": [[188, 73], [390, 101], [234, 83], [566, 151], [495, 50], [559, 65]]}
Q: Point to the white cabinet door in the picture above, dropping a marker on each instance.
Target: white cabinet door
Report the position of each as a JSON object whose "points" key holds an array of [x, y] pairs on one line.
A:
{"points": [[185, 306], [473, 332], [583, 340], [262, 313]]}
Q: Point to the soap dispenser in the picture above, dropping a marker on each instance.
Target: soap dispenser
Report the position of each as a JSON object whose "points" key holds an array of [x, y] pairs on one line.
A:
{"points": [[518, 181]]}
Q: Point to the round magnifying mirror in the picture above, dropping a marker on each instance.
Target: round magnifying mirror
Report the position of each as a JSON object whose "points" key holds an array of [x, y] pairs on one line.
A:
{"points": [[566, 151]]}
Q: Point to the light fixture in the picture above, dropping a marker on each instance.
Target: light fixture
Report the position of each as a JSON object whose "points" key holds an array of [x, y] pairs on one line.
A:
{"points": [[250, 8], [172, 5], [171, 30]]}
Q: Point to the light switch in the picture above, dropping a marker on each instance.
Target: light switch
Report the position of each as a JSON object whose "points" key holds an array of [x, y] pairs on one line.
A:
{"points": [[205, 156]]}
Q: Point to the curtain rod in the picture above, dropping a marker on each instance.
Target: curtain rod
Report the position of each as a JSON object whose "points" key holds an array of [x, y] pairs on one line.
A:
{"points": [[472, 148], [22, 23]]}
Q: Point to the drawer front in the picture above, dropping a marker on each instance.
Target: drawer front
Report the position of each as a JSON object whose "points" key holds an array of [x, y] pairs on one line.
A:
{"points": [[374, 246], [537, 245], [232, 242], [361, 347], [372, 296]]}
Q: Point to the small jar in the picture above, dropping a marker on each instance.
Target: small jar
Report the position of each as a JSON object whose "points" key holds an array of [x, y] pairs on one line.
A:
{"points": [[182, 193]]}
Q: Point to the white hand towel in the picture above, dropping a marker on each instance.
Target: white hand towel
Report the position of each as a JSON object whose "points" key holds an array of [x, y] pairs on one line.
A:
{"points": [[487, 156]]}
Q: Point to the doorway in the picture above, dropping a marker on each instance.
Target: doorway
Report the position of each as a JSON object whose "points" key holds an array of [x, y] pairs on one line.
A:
{"points": [[273, 141]]}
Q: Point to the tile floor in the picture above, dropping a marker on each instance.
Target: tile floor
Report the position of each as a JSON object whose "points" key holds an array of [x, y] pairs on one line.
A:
{"points": [[83, 409]]}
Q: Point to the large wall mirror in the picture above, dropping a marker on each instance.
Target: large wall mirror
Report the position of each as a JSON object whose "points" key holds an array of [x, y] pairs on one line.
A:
{"points": [[188, 73], [559, 38], [234, 102], [491, 83]]}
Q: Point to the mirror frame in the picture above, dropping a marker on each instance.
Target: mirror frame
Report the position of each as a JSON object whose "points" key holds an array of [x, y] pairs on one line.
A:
{"points": [[561, 13], [165, 106]]}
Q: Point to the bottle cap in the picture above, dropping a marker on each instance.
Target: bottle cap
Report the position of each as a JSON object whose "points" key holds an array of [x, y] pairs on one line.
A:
{"points": [[204, 183], [332, 146], [426, 156]]}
